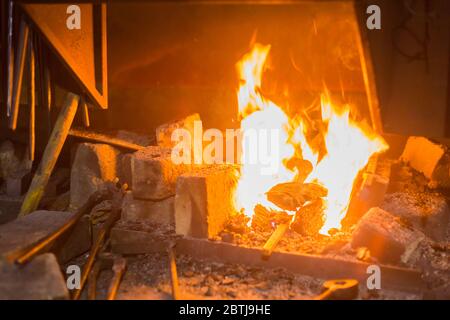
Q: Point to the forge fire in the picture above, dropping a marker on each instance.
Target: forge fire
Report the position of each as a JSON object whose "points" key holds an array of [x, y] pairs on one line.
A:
{"points": [[302, 177], [225, 150]]}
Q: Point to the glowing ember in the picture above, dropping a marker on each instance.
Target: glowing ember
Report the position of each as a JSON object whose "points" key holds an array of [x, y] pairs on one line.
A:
{"points": [[345, 149]]}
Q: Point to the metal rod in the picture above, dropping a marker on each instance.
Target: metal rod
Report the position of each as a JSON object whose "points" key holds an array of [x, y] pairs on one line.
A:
{"points": [[119, 268], [47, 89], [89, 263], [272, 242], [103, 138], [40, 72], [173, 274], [99, 241], [48, 83], [104, 261], [85, 113], [10, 58], [366, 62], [92, 280], [51, 155], [31, 98], [18, 72]]}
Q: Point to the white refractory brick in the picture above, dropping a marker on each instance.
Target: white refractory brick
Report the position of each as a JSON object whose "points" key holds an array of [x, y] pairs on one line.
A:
{"points": [[387, 237], [370, 193], [41, 279], [425, 211], [94, 164], [161, 212], [204, 201], [422, 155], [154, 174], [164, 131]]}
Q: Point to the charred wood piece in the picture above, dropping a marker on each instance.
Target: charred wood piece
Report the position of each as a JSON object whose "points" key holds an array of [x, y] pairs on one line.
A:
{"points": [[262, 219], [309, 219], [292, 195], [266, 220]]}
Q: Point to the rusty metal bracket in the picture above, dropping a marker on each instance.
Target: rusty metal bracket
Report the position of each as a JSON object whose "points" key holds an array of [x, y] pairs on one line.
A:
{"points": [[83, 49], [395, 278]]}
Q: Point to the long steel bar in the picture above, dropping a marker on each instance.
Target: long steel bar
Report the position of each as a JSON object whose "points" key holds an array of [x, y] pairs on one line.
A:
{"points": [[103, 138]]}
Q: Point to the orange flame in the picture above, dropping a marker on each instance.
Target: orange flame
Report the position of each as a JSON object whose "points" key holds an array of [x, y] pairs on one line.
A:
{"points": [[348, 146], [259, 115]]}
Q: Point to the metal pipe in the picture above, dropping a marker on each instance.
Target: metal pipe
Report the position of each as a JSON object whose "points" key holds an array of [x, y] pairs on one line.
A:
{"points": [[31, 98], [18, 73], [50, 156], [103, 138], [10, 58]]}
